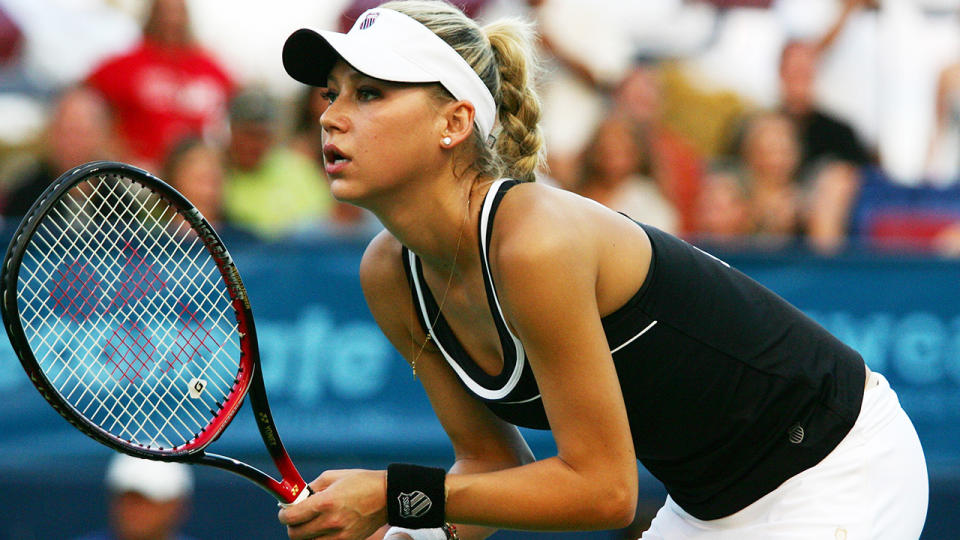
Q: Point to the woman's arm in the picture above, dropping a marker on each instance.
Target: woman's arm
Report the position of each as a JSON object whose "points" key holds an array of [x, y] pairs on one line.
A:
{"points": [[545, 267], [547, 289], [481, 441], [352, 503]]}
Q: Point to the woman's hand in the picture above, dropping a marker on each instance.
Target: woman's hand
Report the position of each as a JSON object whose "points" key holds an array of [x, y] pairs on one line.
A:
{"points": [[346, 505]]}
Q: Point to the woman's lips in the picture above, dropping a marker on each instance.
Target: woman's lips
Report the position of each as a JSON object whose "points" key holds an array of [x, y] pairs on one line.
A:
{"points": [[335, 161]]}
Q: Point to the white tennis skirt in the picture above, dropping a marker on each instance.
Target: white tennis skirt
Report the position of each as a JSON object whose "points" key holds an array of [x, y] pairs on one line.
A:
{"points": [[872, 486]]}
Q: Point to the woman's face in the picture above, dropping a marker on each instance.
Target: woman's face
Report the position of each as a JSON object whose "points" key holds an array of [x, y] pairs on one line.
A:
{"points": [[378, 136]]}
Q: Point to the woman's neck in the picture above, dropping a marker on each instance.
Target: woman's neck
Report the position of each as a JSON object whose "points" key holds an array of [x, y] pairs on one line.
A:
{"points": [[437, 221]]}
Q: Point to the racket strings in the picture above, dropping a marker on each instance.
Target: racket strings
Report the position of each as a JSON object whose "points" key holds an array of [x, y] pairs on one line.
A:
{"points": [[127, 314], [87, 387], [132, 271]]}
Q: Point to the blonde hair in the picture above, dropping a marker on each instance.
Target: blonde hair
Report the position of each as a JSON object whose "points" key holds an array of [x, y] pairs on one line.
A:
{"points": [[502, 55]]}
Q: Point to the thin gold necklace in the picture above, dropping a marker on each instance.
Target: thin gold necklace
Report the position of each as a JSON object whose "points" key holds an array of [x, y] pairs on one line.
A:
{"points": [[443, 298]]}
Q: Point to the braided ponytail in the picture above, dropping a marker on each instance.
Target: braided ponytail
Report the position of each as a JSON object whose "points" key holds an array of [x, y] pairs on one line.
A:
{"points": [[502, 55], [520, 142]]}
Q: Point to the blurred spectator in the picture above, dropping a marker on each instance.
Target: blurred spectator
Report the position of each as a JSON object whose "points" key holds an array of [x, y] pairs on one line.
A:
{"points": [[307, 132], [723, 213], [615, 173], [830, 199], [673, 161], [148, 500], [195, 168], [823, 163], [164, 89], [823, 137], [79, 131], [943, 160], [770, 154], [587, 48], [831, 154], [271, 190]]}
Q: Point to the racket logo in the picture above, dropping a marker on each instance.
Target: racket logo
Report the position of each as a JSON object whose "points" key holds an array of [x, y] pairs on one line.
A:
{"points": [[414, 505], [266, 429], [219, 252], [196, 387]]}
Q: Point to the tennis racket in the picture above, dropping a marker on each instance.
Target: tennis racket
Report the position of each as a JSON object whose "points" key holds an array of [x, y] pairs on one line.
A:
{"points": [[130, 318]]}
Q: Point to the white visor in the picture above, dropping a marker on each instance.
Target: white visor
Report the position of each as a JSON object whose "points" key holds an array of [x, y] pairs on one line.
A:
{"points": [[388, 45]]}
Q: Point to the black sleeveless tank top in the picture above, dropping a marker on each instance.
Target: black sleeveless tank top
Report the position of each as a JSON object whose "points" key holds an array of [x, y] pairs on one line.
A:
{"points": [[729, 389]]}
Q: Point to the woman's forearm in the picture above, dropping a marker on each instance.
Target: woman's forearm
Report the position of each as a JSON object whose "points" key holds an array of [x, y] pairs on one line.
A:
{"points": [[544, 495], [468, 466]]}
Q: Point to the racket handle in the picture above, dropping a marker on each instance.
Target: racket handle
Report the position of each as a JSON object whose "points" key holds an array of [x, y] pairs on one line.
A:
{"points": [[307, 491]]}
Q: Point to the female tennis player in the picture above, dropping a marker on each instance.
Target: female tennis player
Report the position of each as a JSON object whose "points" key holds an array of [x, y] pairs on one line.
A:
{"points": [[517, 304]]}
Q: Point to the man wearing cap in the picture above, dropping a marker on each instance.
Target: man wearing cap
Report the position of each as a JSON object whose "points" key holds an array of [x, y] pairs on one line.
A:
{"points": [[148, 500]]}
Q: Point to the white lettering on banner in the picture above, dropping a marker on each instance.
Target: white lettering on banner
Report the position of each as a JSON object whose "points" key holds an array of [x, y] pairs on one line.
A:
{"points": [[917, 348], [313, 358], [921, 350]]}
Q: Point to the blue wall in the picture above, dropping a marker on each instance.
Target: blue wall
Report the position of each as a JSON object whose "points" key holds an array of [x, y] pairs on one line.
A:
{"points": [[342, 397]]}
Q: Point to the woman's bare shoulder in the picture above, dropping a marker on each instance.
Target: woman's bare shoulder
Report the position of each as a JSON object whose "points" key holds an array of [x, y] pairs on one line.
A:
{"points": [[540, 217], [543, 207], [539, 225], [381, 269], [542, 232]]}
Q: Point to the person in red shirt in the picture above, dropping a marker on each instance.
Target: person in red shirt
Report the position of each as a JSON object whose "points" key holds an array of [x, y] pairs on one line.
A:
{"points": [[167, 87]]}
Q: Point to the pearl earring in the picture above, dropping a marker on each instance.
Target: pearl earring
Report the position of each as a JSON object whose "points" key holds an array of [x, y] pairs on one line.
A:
{"points": [[446, 141]]}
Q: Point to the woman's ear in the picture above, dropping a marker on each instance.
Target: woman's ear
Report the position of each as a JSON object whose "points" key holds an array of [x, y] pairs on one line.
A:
{"points": [[458, 118]]}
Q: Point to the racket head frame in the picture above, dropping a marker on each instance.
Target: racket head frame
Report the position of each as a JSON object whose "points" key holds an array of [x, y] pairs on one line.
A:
{"points": [[249, 378]]}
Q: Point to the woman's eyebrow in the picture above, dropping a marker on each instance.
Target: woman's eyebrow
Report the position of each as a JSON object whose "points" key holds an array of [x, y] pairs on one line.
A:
{"points": [[350, 74]]}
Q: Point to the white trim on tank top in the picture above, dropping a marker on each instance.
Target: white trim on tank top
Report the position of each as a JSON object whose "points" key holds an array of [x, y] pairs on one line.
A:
{"points": [[474, 386]]}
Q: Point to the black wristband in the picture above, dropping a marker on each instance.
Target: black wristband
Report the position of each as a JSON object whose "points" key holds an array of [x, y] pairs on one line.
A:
{"points": [[415, 496]]}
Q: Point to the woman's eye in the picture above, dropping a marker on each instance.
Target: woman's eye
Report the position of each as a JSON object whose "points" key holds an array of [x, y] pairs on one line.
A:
{"points": [[329, 95], [367, 94]]}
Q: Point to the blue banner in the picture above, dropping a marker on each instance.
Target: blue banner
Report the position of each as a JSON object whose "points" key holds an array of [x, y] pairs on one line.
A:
{"points": [[337, 387]]}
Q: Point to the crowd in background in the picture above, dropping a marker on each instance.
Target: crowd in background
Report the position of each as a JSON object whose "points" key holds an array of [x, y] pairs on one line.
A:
{"points": [[810, 138]]}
